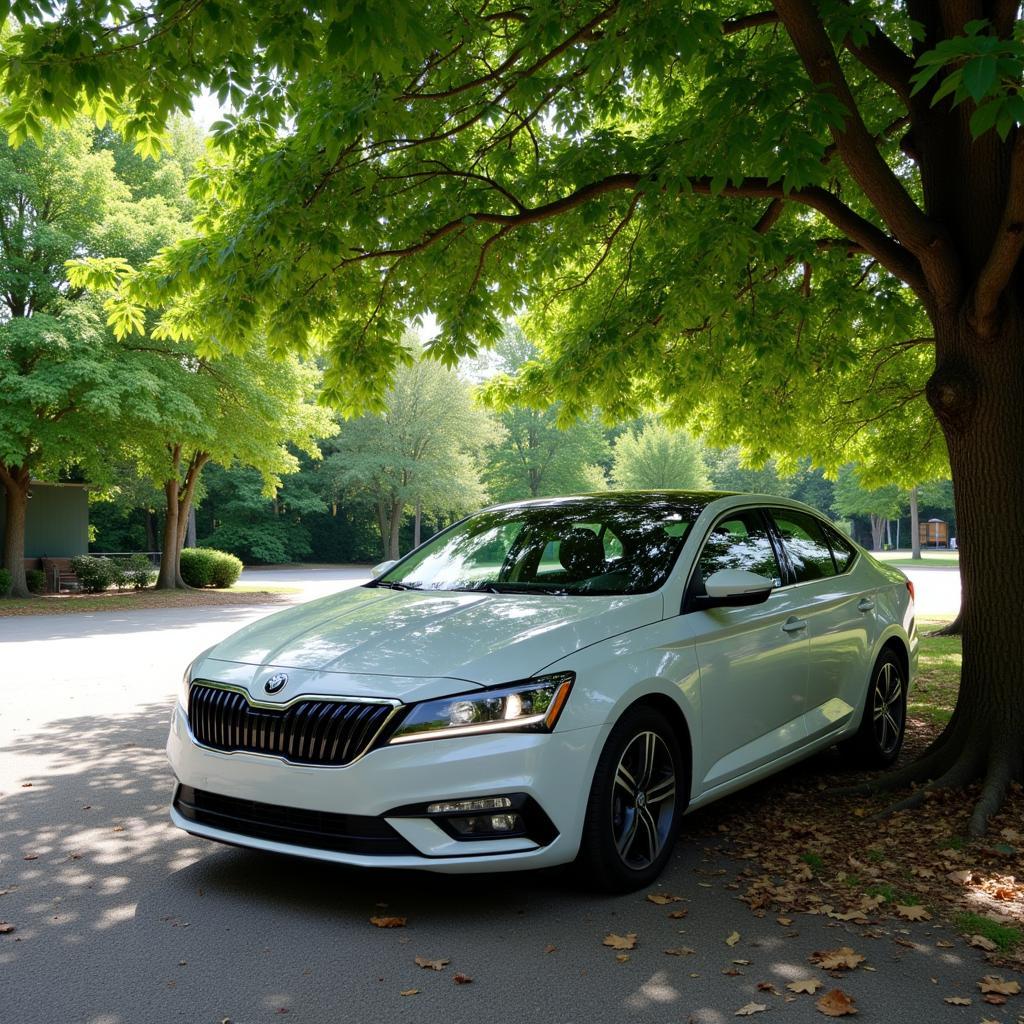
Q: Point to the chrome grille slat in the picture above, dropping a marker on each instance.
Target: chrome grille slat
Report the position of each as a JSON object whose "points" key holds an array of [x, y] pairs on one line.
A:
{"points": [[331, 733]]}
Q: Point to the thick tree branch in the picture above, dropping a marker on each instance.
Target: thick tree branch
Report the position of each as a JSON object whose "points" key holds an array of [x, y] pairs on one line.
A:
{"points": [[747, 21], [1007, 247], [859, 153]]}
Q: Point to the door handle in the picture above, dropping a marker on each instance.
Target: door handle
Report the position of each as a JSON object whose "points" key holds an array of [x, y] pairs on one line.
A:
{"points": [[794, 625], [865, 604]]}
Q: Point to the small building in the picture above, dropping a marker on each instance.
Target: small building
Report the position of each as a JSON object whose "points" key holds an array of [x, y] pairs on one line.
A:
{"points": [[57, 522], [934, 534]]}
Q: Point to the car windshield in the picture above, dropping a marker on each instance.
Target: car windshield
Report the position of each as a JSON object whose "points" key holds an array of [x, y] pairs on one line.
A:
{"points": [[619, 544]]}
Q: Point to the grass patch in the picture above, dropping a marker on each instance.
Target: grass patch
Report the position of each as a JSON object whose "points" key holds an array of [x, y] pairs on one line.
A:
{"points": [[929, 559], [933, 695], [133, 600], [813, 860], [1006, 936]]}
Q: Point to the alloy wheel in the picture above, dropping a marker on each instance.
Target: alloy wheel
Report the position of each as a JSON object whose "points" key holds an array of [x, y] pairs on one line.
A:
{"points": [[887, 706], [643, 800]]}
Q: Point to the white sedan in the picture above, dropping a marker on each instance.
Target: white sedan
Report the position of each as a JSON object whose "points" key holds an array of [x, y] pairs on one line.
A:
{"points": [[548, 681]]}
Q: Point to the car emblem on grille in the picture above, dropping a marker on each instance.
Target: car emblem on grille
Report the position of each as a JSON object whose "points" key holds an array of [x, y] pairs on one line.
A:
{"points": [[275, 683]]}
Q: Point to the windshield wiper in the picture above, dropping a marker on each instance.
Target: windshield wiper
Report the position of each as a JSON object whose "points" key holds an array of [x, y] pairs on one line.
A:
{"points": [[392, 585], [514, 588]]}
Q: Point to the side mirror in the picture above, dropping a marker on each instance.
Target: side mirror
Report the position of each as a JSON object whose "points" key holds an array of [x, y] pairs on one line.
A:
{"points": [[735, 588], [379, 570]]}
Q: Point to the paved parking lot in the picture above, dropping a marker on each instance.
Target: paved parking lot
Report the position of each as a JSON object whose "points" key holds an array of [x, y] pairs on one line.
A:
{"points": [[121, 919]]}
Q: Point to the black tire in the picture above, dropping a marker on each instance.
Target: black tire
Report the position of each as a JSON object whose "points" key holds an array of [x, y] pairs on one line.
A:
{"points": [[878, 741], [628, 836]]}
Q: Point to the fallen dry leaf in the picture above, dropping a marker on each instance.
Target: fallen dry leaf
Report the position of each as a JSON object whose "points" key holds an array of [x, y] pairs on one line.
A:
{"points": [[431, 965], [804, 873], [913, 913], [678, 915], [836, 1004], [409, 992], [995, 1000], [994, 983], [462, 979], [767, 986], [549, 948], [835, 959], [680, 951], [784, 921], [750, 1009], [663, 899], [808, 985], [5, 928], [623, 958], [960, 877], [733, 939], [388, 922], [945, 944], [980, 942], [627, 941], [957, 1001]]}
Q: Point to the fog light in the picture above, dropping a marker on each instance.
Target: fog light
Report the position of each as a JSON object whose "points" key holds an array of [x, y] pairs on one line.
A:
{"points": [[485, 803], [486, 825]]}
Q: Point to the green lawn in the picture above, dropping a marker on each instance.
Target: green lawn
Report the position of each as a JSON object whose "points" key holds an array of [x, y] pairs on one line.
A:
{"points": [[933, 695], [941, 559], [130, 600]]}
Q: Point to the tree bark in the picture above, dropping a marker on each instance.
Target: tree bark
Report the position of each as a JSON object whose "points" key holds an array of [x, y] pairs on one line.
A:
{"points": [[394, 526], [15, 480], [417, 524], [183, 513], [915, 526], [975, 392], [167, 576], [877, 532]]}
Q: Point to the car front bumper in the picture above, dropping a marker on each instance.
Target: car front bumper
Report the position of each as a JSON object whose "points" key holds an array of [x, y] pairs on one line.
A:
{"points": [[555, 770]]}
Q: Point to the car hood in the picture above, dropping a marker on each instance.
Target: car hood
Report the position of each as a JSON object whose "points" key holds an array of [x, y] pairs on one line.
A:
{"points": [[476, 638]]}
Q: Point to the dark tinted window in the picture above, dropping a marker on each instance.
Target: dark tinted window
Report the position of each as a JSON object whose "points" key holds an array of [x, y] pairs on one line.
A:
{"points": [[738, 542], [803, 537], [623, 544], [842, 550]]}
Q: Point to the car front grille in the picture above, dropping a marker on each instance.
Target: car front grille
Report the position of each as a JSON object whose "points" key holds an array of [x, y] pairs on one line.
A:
{"points": [[331, 733], [319, 830]]}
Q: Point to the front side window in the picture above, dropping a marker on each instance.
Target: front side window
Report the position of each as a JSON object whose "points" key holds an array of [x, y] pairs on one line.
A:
{"points": [[803, 537], [574, 546], [738, 542]]}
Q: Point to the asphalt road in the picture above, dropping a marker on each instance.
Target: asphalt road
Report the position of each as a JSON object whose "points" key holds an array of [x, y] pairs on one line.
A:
{"points": [[121, 919]]}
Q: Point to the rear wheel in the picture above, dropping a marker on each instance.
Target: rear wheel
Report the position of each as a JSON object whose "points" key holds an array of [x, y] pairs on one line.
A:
{"points": [[636, 801], [879, 739]]}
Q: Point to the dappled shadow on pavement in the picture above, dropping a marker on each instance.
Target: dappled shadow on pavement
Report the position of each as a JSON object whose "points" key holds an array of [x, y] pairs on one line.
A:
{"points": [[122, 919]]}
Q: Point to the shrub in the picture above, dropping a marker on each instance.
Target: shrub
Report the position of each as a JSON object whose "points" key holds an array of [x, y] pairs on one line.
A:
{"points": [[207, 567], [135, 571], [95, 574], [36, 580], [5, 582]]}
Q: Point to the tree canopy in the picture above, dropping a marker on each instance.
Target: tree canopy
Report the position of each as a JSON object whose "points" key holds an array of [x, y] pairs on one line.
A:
{"points": [[658, 457]]}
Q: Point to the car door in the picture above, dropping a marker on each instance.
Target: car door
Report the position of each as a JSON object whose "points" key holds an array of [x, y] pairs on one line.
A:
{"points": [[840, 618], [753, 660]]}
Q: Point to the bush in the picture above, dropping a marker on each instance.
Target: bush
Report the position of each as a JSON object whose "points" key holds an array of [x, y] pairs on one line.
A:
{"points": [[95, 574], [135, 571], [5, 582], [36, 580], [207, 567]]}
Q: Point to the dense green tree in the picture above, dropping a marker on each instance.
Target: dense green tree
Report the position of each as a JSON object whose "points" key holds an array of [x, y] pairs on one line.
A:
{"points": [[879, 504], [658, 457], [66, 384], [747, 214], [421, 452], [535, 456]]}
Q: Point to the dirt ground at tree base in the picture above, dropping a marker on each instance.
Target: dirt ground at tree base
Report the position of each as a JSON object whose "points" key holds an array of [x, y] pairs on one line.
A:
{"points": [[810, 851]]}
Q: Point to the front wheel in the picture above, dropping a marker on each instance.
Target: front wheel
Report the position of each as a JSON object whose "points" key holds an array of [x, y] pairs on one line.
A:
{"points": [[878, 741], [636, 802]]}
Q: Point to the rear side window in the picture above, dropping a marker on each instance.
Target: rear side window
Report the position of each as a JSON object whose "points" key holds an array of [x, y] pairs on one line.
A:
{"points": [[842, 550], [803, 537]]}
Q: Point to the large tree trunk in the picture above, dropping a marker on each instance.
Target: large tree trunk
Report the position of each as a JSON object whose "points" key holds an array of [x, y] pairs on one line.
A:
{"points": [[877, 532], [417, 525], [915, 526], [394, 526], [167, 576], [16, 481], [976, 395], [183, 514]]}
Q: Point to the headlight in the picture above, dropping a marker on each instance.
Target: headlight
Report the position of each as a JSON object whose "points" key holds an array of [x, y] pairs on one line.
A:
{"points": [[183, 687], [533, 705]]}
